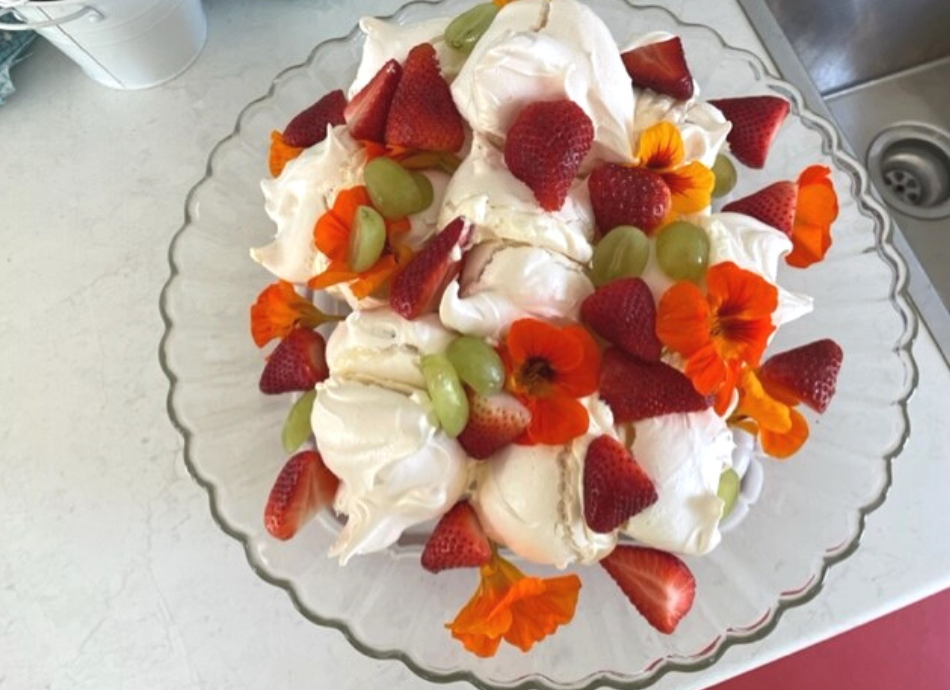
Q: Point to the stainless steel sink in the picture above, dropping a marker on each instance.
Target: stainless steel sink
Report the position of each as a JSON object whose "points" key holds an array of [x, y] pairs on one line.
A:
{"points": [[881, 69]]}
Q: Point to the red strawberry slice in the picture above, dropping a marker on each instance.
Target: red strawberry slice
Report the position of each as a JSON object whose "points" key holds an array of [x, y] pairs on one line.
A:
{"points": [[755, 122], [774, 205], [458, 541], [621, 195], [309, 126], [615, 486], [366, 114], [808, 374], [623, 313], [415, 289], [657, 583], [661, 67], [298, 363], [494, 421], [545, 147], [637, 390], [423, 114], [303, 488]]}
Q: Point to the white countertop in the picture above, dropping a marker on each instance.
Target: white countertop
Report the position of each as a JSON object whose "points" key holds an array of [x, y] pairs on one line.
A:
{"points": [[112, 572]]}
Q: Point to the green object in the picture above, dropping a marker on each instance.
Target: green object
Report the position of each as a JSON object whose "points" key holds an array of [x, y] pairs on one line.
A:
{"points": [[682, 250], [729, 485], [477, 364], [622, 253], [425, 189], [393, 189], [297, 426], [445, 390], [367, 239], [465, 30], [726, 176]]}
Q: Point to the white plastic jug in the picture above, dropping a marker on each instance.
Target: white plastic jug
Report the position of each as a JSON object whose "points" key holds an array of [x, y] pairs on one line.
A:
{"points": [[124, 44]]}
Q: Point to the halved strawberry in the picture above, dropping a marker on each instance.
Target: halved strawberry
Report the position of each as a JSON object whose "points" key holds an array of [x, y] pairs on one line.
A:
{"points": [[661, 67], [623, 313], [366, 114], [637, 390], [494, 421], [808, 374], [621, 195], [304, 487], [309, 126], [657, 583], [774, 205], [458, 541], [298, 363], [755, 122], [415, 289], [545, 147], [423, 114], [615, 486]]}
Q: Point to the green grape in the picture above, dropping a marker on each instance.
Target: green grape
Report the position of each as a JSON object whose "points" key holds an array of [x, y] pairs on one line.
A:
{"points": [[448, 396], [726, 175], [477, 364], [425, 189], [297, 427], [623, 253], [393, 189], [465, 30], [367, 239], [728, 490], [682, 250]]}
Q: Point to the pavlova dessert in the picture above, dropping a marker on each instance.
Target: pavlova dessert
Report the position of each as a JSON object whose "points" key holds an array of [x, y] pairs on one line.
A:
{"points": [[553, 348]]}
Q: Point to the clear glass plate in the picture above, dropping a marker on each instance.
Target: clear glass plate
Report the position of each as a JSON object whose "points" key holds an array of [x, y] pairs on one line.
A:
{"points": [[813, 508]]}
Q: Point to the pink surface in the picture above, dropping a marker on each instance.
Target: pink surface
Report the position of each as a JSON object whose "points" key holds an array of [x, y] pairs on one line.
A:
{"points": [[906, 650]]}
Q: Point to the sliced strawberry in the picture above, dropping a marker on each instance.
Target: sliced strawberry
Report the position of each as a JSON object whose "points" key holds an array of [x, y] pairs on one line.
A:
{"points": [[657, 583], [623, 313], [366, 114], [415, 289], [309, 127], [774, 205], [458, 541], [637, 390], [423, 114], [545, 147], [304, 487], [494, 421], [298, 363], [755, 122], [621, 195], [661, 67], [808, 373], [615, 487]]}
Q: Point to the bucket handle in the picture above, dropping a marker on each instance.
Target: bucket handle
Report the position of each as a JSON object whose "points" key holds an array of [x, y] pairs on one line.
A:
{"points": [[95, 16]]}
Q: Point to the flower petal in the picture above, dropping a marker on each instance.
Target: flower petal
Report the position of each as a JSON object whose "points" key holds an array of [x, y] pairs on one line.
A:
{"points": [[278, 309], [781, 445], [661, 147], [682, 319], [754, 402], [539, 612], [582, 380], [816, 210], [532, 339], [706, 369], [280, 154], [331, 234], [691, 187], [555, 420]]}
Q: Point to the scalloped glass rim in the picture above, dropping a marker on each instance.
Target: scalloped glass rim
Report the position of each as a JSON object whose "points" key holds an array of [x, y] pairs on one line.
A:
{"points": [[898, 297]]}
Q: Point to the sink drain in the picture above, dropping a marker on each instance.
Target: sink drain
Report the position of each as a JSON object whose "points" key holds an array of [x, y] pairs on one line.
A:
{"points": [[910, 164]]}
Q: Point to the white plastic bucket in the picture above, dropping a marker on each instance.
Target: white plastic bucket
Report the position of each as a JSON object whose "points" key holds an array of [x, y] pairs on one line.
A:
{"points": [[124, 44]]}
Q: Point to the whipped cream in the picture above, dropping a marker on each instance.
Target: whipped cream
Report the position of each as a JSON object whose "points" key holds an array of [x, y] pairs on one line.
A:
{"points": [[683, 454], [396, 467], [502, 283], [379, 346]]}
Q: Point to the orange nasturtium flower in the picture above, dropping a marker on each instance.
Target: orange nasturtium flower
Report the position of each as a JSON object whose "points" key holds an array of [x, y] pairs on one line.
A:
{"points": [[501, 3], [815, 211], [508, 605], [280, 153], [781, 429], [331, 235], [279, 309], [719, 332], [661, 150], [548, 368]]}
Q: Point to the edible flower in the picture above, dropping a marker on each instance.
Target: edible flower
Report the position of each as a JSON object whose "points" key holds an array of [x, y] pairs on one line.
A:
{"points": [[279, 309], [781, 429], [548, 368], [661, 150], [720, 331], [413, 159], [815, 211], [331, 236], [280, 153], [509, 605]]}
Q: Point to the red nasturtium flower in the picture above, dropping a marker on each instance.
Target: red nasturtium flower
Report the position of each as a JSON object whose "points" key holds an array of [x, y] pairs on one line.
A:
{"points": [[815, 211], [511, 606], [661, 150], [279, 309], [548, 368], [781, 429]]}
